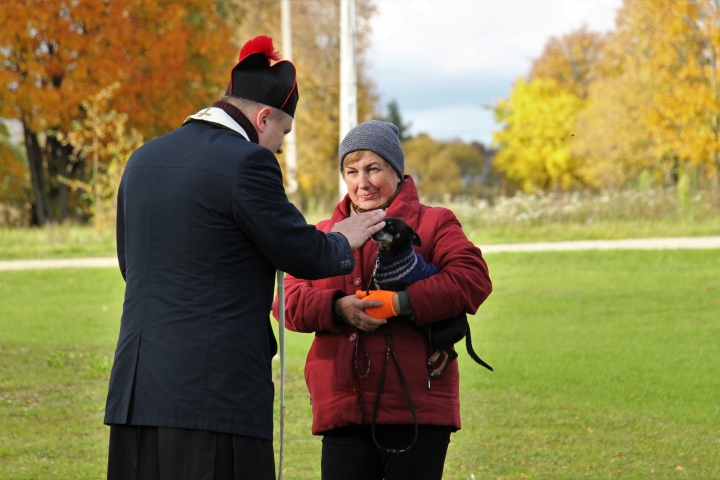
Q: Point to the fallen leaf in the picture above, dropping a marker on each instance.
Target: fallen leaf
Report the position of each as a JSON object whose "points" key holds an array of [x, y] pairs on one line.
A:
{"points": [[679, 468]]}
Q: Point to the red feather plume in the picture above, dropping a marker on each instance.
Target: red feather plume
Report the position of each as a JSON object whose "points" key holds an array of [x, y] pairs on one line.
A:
{"points": [[261, 44]]}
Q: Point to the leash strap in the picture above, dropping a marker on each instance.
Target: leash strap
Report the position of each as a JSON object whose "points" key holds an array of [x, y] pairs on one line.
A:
{"points": [[391, 351], [281, 314]]}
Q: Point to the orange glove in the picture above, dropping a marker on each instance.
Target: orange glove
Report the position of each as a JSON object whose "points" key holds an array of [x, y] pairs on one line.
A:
{"points": [[385, 296]]}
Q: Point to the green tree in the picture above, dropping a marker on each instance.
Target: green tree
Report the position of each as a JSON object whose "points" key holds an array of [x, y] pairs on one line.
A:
{"points": [[393, 116]]}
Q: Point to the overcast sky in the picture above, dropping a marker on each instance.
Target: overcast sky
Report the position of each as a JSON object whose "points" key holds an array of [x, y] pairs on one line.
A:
{"points": [[443, 60]]}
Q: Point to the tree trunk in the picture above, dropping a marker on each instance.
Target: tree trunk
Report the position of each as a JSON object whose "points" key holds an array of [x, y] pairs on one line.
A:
{"points": [[57, 160], [37, 174]]}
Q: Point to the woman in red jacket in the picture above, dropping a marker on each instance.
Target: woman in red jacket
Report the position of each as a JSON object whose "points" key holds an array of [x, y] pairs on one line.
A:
{"points": [[345, 362]]}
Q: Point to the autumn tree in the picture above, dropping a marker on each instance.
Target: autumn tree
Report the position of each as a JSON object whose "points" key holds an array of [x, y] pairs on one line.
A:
{"points": [[650, 100], [570, 60], [535, 144], [316, 53], [13, 194], [171, 57], [442, 169], [104, 139]]}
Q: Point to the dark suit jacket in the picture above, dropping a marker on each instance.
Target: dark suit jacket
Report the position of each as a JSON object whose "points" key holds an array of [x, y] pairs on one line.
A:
{"points": [[203, 222]]}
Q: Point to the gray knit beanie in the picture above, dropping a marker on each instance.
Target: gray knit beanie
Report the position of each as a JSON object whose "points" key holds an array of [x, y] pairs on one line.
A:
{"points": [[376, 136]]}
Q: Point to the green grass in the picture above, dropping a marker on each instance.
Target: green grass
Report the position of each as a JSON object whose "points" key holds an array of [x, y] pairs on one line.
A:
{"points": [[605, 230], [85, 241], [55, 241], [606, 364]]}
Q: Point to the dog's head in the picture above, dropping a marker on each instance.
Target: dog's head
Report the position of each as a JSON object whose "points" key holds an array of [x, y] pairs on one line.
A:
{"points": [[395, 237]]}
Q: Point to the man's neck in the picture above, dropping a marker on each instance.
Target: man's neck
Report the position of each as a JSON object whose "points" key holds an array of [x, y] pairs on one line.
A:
{"points": [[240, 118]]}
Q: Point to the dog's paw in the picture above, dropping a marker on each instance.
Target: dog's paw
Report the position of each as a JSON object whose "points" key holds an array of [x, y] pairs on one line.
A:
{"points": [[434, 358], [438, 371]]}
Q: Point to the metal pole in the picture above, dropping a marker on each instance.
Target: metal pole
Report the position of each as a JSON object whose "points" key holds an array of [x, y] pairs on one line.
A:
{"points": [[281, 317], [348, 75], [290, 149]]}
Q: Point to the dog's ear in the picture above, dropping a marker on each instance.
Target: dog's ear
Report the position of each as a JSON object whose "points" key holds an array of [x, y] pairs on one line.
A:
{"points": [[416, 239]]}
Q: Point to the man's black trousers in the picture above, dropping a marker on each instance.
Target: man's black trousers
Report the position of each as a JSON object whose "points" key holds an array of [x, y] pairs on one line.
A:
{"points": [[161, 453]]}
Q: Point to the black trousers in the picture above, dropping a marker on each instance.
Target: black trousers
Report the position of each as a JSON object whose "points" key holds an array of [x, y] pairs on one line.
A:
{"points": [[162, 453], [349, 453]]}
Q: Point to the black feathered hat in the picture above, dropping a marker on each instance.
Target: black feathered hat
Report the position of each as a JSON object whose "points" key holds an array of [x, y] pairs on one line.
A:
{"points": [[253, 77]]}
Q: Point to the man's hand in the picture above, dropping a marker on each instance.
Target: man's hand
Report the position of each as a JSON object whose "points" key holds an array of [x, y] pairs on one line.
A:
{"points": [[358, 228], [352, 311]]}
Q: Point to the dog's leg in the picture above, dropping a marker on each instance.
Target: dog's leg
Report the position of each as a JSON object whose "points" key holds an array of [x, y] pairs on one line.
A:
{"points": [[450, 356], [434, 358]]}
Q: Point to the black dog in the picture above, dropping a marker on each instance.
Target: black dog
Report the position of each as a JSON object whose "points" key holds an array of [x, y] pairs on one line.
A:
{"points": [[398, 267]]}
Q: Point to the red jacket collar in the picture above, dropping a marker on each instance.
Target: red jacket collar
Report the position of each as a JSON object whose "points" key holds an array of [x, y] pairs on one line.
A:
{"points": [[406, 205]]}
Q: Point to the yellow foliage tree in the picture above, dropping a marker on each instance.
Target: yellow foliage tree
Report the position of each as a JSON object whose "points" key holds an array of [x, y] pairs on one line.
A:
{"points": [[651, 99], [316, 53], [13, 178], [685, 109], [535, 145], [570, 60], [103, 140], [442, 169]]}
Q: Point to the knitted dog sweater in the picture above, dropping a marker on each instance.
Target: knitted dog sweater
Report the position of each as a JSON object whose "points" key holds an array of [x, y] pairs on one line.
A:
{"points": [[406, 268]]}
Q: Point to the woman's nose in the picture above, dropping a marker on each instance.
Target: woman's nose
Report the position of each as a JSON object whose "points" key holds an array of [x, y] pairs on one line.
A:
{"points": [[363, 180]]}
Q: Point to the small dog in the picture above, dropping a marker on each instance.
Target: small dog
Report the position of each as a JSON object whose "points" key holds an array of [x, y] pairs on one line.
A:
{"points": [[398, 267]]}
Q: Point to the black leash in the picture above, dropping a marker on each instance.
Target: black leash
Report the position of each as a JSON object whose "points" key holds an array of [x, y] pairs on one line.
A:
{"points": [[391, 350]]}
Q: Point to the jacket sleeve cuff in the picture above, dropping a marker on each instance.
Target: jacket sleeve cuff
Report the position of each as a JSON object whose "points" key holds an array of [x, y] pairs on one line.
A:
{"points": [[338, 321], [406, 309]]}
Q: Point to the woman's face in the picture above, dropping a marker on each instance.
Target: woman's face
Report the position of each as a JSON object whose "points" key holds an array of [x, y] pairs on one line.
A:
{"points": [[370, 180]]}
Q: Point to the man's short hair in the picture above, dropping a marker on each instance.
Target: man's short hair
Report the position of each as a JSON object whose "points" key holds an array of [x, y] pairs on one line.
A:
{"points": [[247, 106]]}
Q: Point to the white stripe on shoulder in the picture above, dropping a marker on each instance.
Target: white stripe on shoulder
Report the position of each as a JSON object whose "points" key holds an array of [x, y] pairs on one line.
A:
{"points": [[219, 117]]}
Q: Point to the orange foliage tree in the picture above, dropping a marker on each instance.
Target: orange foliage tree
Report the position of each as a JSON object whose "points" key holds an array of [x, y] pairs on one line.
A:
{"points": [[171, 58]]}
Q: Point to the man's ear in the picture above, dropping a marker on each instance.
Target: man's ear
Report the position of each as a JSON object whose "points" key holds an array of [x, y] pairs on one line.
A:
{"points": [[416, 239], [261, 119]]}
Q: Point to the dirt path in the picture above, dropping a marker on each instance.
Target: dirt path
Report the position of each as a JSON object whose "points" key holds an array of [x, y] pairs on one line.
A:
{"points": [[633, 244]]}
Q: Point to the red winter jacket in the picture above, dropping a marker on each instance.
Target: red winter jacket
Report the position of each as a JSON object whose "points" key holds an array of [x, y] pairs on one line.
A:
{"points": [[339, 397]]}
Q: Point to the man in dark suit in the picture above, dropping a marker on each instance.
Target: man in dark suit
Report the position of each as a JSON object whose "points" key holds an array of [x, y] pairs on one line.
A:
{"points": [[203, 222]]}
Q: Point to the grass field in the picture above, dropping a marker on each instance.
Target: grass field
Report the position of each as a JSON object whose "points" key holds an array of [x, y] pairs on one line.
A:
{"points": [[606, 364], [84, 241]]}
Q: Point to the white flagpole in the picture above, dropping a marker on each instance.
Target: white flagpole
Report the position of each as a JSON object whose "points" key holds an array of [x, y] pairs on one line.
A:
{"points": [[290, 148], [348, 76], [281, 315]]}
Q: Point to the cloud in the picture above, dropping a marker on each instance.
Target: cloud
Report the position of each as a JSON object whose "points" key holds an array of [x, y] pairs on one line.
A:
{"points": [[431, 55]]}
